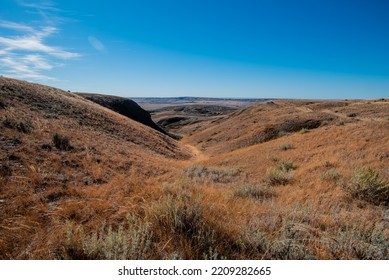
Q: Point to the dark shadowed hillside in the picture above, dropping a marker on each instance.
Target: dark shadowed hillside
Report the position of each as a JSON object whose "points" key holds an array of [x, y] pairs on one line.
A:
{"points": [[125, 107]]}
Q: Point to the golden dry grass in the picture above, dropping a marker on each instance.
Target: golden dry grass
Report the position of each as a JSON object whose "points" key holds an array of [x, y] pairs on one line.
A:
{"points": [[126, 191]]}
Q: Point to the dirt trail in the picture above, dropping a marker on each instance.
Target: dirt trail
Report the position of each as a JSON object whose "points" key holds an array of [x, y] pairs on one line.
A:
{"points": [[334, 114], [199, 156], [359, 118], [304, 109]]}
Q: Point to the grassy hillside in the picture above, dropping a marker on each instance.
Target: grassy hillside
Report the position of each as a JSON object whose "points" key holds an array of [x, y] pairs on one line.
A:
{"points": [[271, 120], [277, 180], [66, 159], [308, 179]]}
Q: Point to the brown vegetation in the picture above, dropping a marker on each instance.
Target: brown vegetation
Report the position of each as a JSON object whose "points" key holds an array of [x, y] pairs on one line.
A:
{"points": [[83, 182]]}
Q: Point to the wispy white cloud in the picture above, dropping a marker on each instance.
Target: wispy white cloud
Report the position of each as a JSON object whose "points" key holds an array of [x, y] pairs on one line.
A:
{"points": [[34, 43], [27, 54], [15, 26], [96, 43], [18, 68], [42, 5], [4, 52], [37, 62]]}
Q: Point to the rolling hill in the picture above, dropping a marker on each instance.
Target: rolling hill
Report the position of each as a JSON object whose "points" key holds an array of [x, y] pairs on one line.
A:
{"points": [[57, 149], [281, 179]]}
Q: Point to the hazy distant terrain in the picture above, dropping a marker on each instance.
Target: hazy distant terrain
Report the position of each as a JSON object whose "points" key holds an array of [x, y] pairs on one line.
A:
{"points": [[184, 115], [92, 177], [157, 103]]}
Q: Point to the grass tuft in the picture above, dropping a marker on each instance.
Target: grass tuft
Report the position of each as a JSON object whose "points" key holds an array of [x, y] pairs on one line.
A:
{"points": [[132, 241], [286, 146], [212, 174], [281, 174], [278, 177], [330, 175], [258, 192]]}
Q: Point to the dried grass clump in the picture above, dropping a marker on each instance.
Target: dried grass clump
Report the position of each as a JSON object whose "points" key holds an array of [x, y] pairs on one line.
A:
{"points": [[179, 213], [258, 192], [281, 174], [212, 174], [278, 177], [286, 165], [180, 216], [131, 241], [24, 126], [286, 146], [330, 175], [269, 237]]}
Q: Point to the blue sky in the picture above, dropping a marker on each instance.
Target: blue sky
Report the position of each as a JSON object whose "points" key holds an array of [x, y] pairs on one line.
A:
{"points": [[258, 49]]}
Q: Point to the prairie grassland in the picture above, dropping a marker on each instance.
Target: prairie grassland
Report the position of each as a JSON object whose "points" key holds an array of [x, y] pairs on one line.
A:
{"points": [[107, 187]]}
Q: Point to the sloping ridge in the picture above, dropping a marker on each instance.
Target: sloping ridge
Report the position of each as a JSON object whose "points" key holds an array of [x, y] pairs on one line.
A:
{"points": [[125, 107], [35, 101], [259, 123]]}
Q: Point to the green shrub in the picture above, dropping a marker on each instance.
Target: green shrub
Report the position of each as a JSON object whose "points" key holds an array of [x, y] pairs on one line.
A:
{"points": [[367, 184]]}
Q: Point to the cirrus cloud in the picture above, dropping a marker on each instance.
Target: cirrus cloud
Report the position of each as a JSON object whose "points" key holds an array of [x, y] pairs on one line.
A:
{"points": [[25, 53]]}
